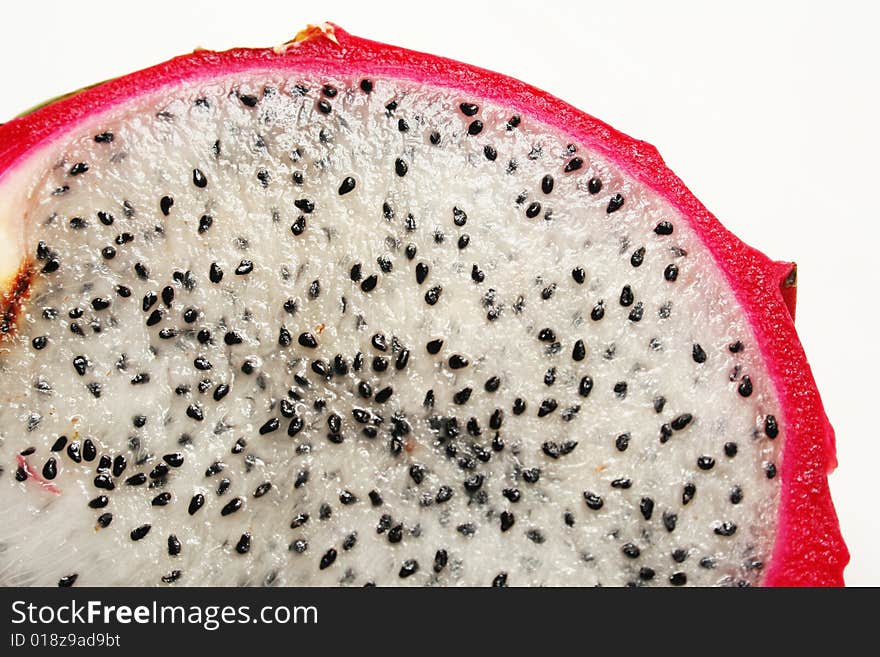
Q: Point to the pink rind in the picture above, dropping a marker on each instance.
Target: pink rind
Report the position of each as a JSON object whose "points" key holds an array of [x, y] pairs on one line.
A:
{"points": [[809, 549]]}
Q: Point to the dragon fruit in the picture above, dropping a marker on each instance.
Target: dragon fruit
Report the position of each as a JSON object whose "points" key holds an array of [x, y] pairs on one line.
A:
{"points": [[342, 313]]}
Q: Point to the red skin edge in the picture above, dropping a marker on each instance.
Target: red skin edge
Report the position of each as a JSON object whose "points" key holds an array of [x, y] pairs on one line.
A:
{"points": [[809, 549]]}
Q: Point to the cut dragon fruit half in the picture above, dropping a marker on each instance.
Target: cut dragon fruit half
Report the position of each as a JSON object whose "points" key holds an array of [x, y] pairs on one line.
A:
{"points": [[342, 313]]}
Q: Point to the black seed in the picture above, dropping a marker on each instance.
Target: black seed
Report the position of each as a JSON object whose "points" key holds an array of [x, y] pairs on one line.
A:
{"points": [[434, 137], [623, 483], [141, 271], [457, 362], [369, 283], [108, 253], [50, 468], [462, 396], [622, 442], [244, 267], [123, 291], [626, 296], [384, 395], [466, 529], [78, 168], [40, 342], [663, 228], [519, 406], [366, 86], [269, 426], [421, 272], [469, 109], [244, 544], [89, 450], [409, 567], [232, 338], [771, 428], [598, 311], [149, 300], [745, 387], [248, 100], [631, 550], [205, 222], [670, 273], [304, 205], [59, 443], [444, 494], [417, 473], [232, 506], [201, 363], [646, 507], [463, 241], [678, 579], [165, 204], [473, 483], [688, 493], [637, 257], [476, 275], [402, 359], [433, 295], [103, 464], [736, 495], [324, 107], [546, 335], [770, 470], [104, 138], [574, 164], [347, 185], [400, 167], [284, 337], [682, 421], [593, 501], [620, 389], [51, 266], [669, 521], [140, 532], [171, 577], [533, 210], [726, 528], [159, 471], [475, 127], [199, 179], [730, 449], [140, 379], [698, 354], [736, 347], [490, 153], [614, 204], [579, 275], [196, 503], [307, 340], [328, 559], [74, 453], [215, 274]]}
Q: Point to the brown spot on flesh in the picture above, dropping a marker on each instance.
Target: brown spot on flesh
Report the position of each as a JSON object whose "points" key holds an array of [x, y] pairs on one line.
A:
{"points": [[11, 302]]}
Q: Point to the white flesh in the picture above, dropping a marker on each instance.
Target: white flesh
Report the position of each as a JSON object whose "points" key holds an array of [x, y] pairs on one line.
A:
{"points": [[46, 536]]}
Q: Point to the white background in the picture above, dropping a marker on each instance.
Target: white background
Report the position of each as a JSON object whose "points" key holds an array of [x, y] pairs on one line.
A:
{"points": [[768, 110]]}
